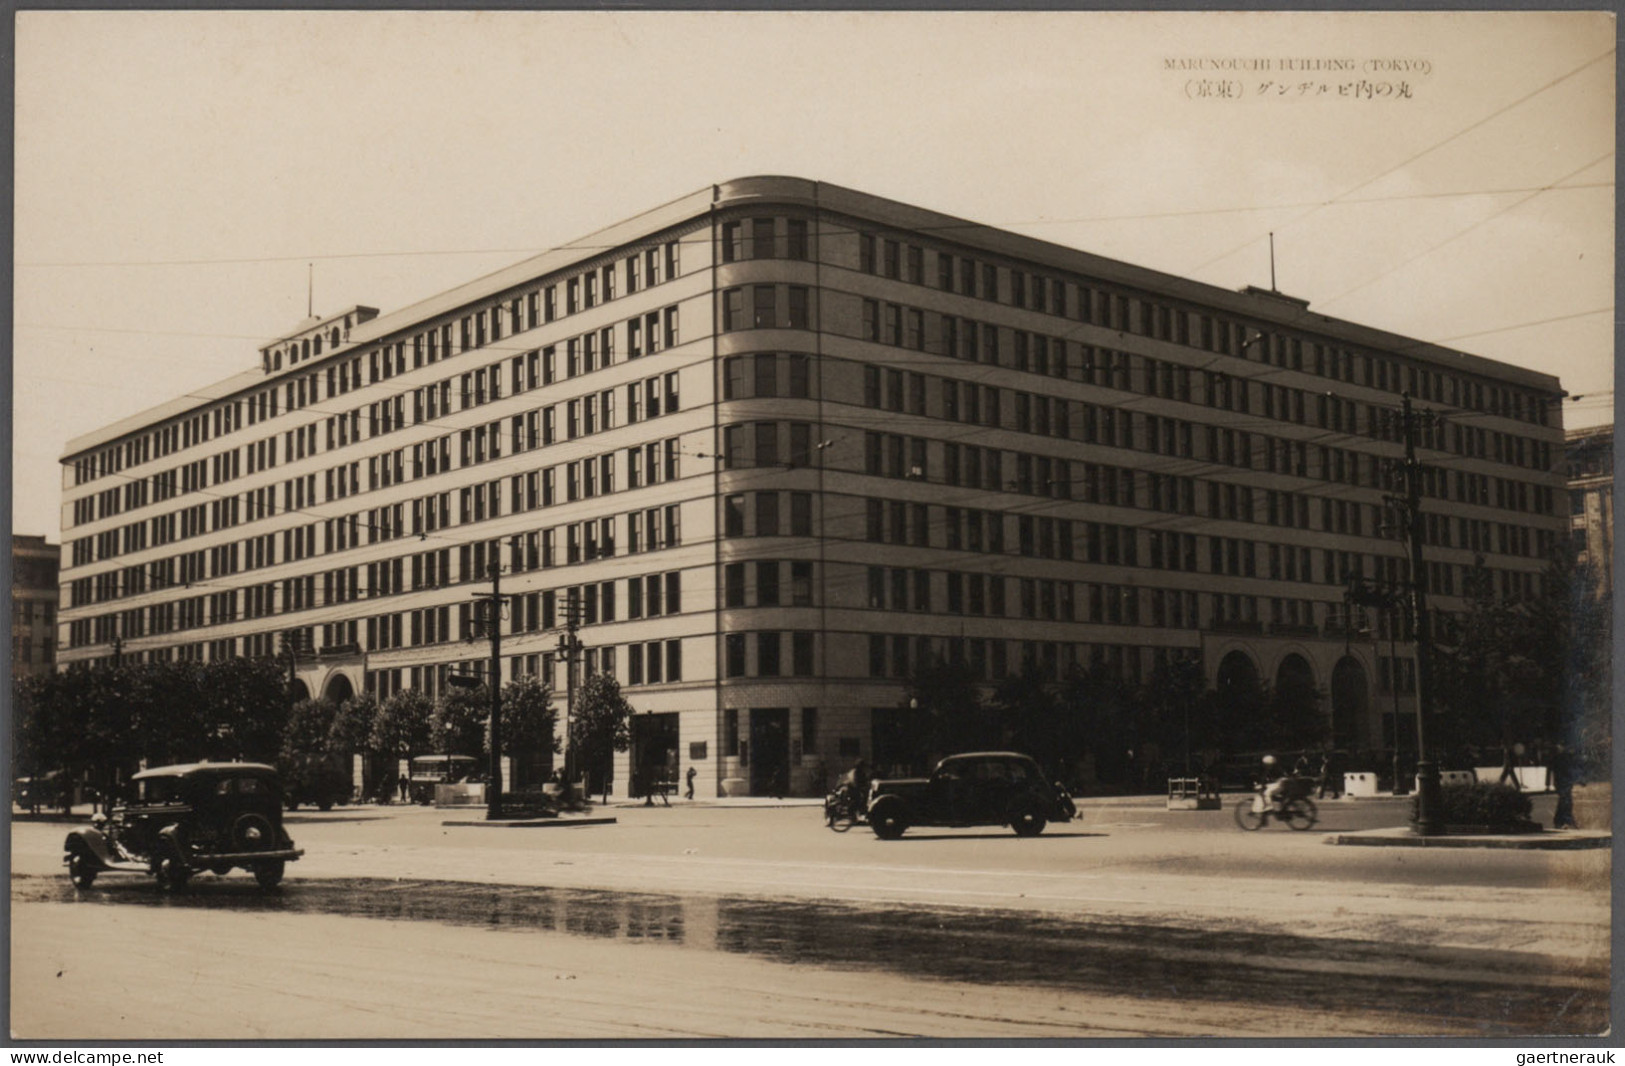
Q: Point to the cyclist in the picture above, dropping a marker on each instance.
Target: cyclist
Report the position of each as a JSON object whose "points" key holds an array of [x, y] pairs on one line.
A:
{"points": [[1275, 783]]}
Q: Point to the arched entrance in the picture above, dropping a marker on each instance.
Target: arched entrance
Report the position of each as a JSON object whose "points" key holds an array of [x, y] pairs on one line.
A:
{"points": [[1351, 696], [1237, 675], [300, 691], [1294, 672], [1295, 704], [339, 689]]}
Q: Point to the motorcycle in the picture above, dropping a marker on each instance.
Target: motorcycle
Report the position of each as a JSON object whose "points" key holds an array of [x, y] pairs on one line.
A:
{"points": [[1296, 809], [843, 809]]}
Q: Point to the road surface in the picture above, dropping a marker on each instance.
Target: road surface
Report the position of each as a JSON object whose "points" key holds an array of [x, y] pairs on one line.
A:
{"points": [[758, 922]]}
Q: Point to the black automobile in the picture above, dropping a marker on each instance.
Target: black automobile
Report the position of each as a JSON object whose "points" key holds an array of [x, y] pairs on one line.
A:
{"points": [[976, 788], [182, 819]]}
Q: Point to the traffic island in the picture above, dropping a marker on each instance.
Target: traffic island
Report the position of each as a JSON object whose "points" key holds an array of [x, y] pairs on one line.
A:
{"points": [[1542, 840], [559, 821]]}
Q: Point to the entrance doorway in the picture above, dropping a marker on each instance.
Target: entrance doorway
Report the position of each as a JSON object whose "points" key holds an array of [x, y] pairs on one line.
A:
{"points": [[1350, 705], [654, 753], [769, 751]]}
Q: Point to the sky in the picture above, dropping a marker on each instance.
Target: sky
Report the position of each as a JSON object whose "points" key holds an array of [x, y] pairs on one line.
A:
{"points": [[1446, 176]]}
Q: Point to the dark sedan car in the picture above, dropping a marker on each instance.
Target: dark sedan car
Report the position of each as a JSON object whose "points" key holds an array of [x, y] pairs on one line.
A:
{"points": [[183, 819], [976, 788]]}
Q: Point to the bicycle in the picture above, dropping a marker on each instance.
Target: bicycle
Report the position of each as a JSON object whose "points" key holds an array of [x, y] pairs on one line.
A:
{"points": [[842, 810], [1296, 809]]}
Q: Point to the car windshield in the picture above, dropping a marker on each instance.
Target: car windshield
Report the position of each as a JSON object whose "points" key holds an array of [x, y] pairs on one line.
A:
{"points": [[160, 790]]}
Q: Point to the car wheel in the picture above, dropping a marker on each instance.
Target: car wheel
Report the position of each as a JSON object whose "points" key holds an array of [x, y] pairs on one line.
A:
{"points": [[172, 871], [81, 867], [269, 874], [1247, 816], [252, 832], [1027, 822], [887, 820], [1301, 814]]}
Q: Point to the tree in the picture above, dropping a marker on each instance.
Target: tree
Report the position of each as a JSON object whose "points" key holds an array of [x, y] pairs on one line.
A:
{"points": [[1474, 676], [1031, 719], [1105, 709], [460, 721], [352, 729], [1530, 671], [599, 726], [401, 726], [245, 708], [310, 727], [528, 717], [1174, 705], [944, 711]]}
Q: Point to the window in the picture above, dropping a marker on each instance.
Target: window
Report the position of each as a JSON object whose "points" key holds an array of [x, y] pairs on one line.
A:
{"points": [[766, 368], [767, 583], [734, 662], [764, 306], [767, 514], [768, 648], [799, 377], [761, 234], [801, 583]]}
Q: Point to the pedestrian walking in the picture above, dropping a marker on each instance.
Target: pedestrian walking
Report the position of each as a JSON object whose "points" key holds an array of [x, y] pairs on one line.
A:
{"points": [[688, 780], [1509, 766], [1561, 773], [1329, 779]]}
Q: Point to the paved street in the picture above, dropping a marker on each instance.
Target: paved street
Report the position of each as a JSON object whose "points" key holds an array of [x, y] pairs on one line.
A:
{"points": [[755, 920]]}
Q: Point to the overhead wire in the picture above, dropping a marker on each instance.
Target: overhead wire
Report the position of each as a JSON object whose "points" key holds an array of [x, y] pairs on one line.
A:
{"points": [[1408, 160], [704, 236]]}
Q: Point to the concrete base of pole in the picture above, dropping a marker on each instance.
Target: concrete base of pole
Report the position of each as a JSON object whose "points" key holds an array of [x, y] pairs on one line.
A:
{"points": [[1429, 803]]}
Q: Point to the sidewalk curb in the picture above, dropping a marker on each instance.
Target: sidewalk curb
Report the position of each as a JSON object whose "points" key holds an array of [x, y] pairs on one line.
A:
{"points": [[1544, 841], [535, 823]]}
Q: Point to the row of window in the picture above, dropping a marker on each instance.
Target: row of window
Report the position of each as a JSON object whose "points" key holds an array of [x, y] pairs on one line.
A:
{"points": [[1143, 315], [646, 399], [958, 401], [470, 332]]}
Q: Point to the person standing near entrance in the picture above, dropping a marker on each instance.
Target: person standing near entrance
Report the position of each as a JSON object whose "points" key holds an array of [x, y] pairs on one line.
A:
{"points": [[688, 778]]}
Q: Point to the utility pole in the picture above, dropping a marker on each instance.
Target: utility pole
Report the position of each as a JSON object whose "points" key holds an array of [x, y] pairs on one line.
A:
{"points": [[492, 618], [1412, 598], [569, 649], [290, 638], [1429, 815]]}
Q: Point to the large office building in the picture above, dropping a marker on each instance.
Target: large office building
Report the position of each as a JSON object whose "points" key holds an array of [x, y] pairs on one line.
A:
{"points": [[1590, 465], [774, 444], [34, 594]]}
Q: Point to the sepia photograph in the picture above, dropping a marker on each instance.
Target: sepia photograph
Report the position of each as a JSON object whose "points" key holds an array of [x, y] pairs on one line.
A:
{"points": [[668, 526]]}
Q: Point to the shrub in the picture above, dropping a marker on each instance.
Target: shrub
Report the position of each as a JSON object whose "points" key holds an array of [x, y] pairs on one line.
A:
{"points": [[1482, 805], [529, 803]]}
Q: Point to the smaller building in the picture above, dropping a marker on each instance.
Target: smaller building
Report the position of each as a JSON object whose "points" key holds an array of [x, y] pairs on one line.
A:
{"points": [[1589, 453], [34, 566]]}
